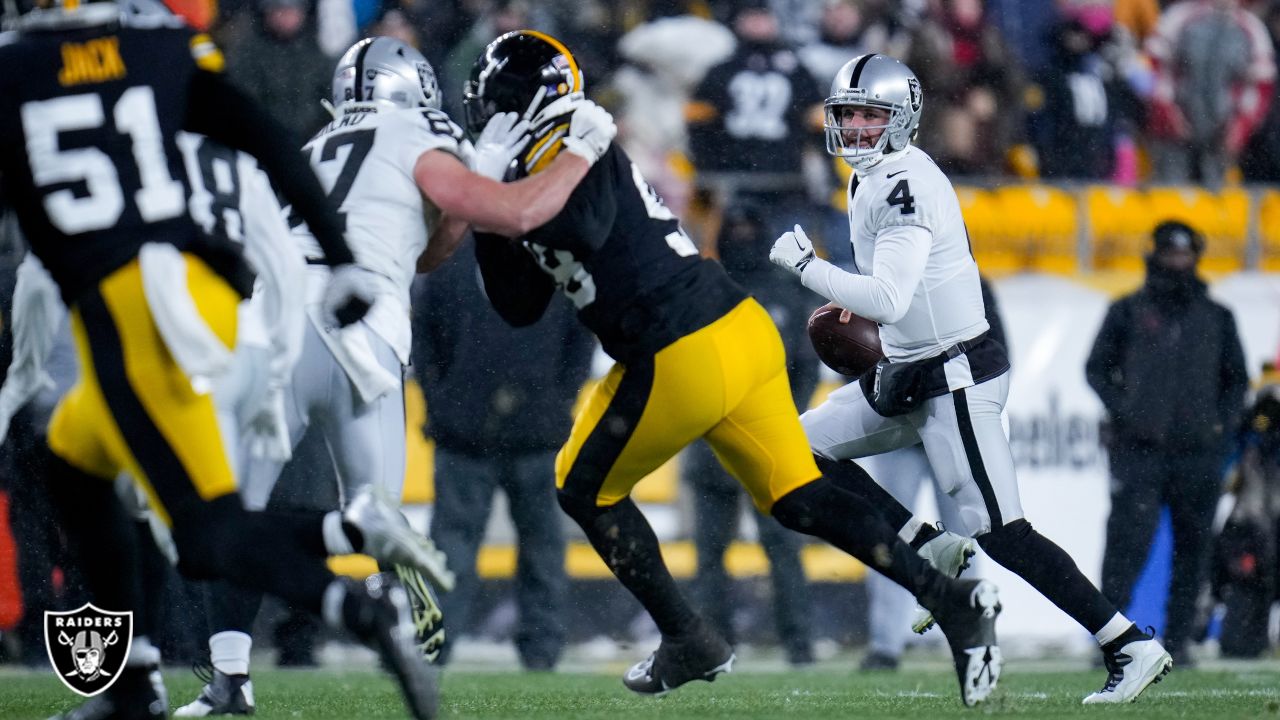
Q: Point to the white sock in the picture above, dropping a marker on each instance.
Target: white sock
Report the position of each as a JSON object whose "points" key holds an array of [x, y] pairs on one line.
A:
{"points": [[229, 651], [142, 653], [908, 532], [1114, 628], [335, 538], [331, 604]]}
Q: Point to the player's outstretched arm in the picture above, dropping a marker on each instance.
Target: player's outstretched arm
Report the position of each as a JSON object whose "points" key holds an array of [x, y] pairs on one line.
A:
{"points": [[513, 209], [444, 241]]}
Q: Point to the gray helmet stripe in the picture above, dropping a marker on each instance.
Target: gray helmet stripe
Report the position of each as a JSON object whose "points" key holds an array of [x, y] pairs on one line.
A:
{"points": [[359, 79], [857, 70]]}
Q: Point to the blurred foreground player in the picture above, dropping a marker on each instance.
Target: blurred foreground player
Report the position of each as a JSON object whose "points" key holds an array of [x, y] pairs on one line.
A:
{"points": [[696, 358], [93, 102]]}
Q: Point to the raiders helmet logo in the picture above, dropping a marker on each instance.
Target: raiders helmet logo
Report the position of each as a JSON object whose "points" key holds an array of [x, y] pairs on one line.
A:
{"points": [[88, 646], [917, 97]]}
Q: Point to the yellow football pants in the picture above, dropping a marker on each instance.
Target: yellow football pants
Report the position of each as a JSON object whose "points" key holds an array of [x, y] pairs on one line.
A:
{"points": [[133, 409], [726, 382]]}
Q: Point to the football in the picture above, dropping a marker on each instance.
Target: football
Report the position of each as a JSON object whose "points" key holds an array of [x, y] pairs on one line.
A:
{"points": [[848, 348]]}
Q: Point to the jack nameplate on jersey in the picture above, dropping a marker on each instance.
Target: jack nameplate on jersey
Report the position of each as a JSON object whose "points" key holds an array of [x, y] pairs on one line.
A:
{"points": [[88, 646]]}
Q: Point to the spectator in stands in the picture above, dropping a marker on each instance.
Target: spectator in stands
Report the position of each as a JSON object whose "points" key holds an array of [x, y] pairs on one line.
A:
{"points": [[974, 115], [743, 245], [843, 34], [499, 405], [1215, 76], [752, 119], [1088, 109], [498, 17], [280, 64], [1260, 161], [1169, 369]]}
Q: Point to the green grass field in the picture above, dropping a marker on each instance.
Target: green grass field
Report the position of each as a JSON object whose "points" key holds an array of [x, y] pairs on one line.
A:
{"points": [[825, 692]]}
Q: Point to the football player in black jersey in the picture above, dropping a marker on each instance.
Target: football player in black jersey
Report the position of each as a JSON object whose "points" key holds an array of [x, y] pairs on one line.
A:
{"points": [[90, 104], [696, 357]]}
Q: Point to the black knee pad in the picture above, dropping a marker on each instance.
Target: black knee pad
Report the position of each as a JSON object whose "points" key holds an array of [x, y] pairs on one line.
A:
{"points": [[205, 536], [798, 509], [1006, 540]]}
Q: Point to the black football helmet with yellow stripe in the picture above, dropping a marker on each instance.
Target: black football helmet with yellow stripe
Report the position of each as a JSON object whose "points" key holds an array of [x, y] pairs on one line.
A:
{"points": [[529, 73]]}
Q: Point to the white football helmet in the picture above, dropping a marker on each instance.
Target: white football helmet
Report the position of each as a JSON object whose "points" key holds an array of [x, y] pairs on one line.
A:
{"points": [[877, 81], [385, 70]]}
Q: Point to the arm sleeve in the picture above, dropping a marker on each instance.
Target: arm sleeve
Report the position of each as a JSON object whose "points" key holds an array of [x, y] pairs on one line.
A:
{"points": [[885, 294], [219, 110], [514, 284]]}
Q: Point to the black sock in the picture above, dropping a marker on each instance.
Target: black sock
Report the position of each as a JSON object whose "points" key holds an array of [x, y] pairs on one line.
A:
{"points": [[1133, 634], [1051, 571], [149, 615], [100, 535], [231, 607], [926, 533], [850, 477], [626, 542], [847, 521]]}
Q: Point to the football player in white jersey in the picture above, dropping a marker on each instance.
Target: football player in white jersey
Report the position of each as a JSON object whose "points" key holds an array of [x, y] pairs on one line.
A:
{"points": [[399, 172], [943, 383]]}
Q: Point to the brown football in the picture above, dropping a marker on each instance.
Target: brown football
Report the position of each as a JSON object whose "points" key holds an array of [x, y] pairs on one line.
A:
{"points": [[848, 348]]}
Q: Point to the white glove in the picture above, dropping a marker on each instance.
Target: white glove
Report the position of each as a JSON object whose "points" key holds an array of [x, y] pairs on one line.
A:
{"points": [[501, 141], [590, 132], [792, 250], [348, 296], [267, 431]]}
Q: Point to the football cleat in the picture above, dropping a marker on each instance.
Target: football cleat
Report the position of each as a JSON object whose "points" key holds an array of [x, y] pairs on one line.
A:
{"points": [[967, 616], [390, 539], [949, 554], [377, 613], [223, 694], [139, 694], [428, 618], [701, 656], [1132, 669]]}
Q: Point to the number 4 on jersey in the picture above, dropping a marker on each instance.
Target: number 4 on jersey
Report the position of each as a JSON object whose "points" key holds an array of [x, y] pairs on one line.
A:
{"points": [[901, 197]]}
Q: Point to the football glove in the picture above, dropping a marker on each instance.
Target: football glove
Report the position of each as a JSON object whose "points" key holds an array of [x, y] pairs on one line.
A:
{"points": [[348, 296], [500, 143], [590, 132], [792, 250]]}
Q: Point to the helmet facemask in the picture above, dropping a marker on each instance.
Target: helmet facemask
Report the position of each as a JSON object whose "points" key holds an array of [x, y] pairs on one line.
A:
{"points": [[872, 81]]}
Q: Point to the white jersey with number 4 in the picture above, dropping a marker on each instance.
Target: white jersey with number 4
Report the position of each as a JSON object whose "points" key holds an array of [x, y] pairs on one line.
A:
{"points": [[916, 275], [364, 160]]}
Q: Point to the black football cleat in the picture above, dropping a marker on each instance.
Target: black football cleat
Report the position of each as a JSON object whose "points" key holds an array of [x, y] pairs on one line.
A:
{"points": [[139, 694], [223, 694], [377, 613], [701, 656], [967, 616]]}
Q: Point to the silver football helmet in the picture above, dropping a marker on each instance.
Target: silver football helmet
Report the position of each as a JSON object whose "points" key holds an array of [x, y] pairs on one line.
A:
{"points": [[385, 70], [877, 81]]}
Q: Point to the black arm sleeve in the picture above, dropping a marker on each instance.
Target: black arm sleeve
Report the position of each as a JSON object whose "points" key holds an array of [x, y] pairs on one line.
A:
{"points": [[1102, 370], [516, 287], [221, 111]]}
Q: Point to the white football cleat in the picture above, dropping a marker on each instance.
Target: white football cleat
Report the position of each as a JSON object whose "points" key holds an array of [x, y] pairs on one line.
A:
{"points": [[1132, 669], [390, 539], [949, 554]]}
